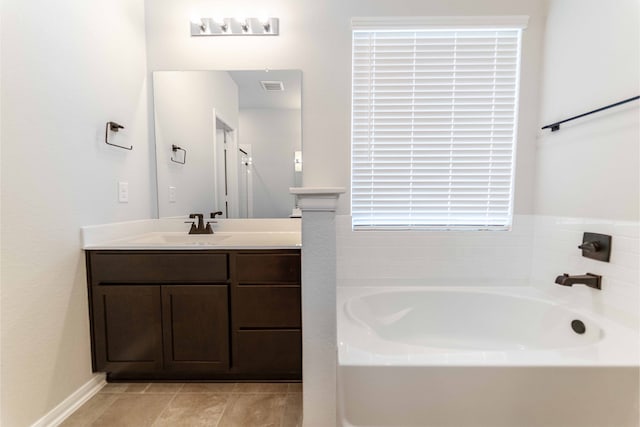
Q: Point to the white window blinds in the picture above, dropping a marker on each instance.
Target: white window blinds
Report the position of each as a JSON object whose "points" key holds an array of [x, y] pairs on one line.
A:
{"points": [[434, 117]]}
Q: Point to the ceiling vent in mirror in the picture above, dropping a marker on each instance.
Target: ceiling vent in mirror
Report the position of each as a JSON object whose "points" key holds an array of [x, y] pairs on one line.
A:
{"points": [[272, 86]]}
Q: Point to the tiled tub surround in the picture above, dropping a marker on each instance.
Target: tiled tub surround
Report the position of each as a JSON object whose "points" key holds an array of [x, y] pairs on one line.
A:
{"points": [[422, 258], [533, 253]]}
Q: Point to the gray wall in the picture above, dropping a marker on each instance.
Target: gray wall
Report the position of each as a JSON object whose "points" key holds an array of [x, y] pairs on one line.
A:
{"points": [[68, 67]]}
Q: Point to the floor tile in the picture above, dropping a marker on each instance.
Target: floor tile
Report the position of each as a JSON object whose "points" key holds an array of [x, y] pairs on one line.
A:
{"points": [[295, 388], [261, 388], [192, 404], [293, 411], [90, 410], [133, 410], [193, 410], [207, 388], [124, 388], [254, 410], [169, 388]]}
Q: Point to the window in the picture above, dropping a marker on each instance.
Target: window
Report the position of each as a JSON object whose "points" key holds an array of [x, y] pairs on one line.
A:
{"points": [[434, 123]]}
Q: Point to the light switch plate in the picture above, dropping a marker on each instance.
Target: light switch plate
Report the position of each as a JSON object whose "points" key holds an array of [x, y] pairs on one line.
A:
{"points": [[123, 192], [172, 194]]}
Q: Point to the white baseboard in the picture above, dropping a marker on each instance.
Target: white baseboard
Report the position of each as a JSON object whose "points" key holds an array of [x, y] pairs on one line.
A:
{"points": [[57, 415]]}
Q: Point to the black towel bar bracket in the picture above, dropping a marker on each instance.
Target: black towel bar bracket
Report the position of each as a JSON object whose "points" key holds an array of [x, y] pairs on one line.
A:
{"points": [[175, 148], [114, 127], [556, 126]]}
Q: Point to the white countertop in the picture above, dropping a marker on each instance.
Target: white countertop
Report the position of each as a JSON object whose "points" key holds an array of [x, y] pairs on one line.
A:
{"points": [[172, 234]]}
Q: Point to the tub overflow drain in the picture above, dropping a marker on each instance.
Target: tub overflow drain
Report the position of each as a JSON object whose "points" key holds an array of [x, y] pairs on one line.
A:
{"points": [[578, 327]]}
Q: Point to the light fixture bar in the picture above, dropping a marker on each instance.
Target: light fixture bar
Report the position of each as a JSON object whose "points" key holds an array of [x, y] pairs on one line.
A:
{"points": [[234, 27]]}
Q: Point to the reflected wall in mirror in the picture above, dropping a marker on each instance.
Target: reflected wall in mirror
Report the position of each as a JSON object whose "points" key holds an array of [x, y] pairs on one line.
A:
{"points": [[227, 141]]}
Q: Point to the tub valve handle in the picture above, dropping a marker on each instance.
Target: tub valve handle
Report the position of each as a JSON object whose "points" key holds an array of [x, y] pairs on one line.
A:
{"points": [[592, 246]]}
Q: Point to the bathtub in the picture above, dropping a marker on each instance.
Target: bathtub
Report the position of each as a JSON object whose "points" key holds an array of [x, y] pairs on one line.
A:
{"points": [[469, 356]]}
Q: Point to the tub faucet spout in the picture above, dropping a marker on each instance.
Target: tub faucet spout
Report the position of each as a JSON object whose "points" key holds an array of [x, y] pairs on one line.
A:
{"points": [[589, 279]]}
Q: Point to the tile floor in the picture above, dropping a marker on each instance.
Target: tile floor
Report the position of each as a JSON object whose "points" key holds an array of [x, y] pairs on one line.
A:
{"points": [[192, 405]]}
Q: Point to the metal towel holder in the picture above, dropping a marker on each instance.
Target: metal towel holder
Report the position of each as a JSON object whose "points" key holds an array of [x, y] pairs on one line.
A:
{"points": [[175, 148], [114, 127], [556, 126]]}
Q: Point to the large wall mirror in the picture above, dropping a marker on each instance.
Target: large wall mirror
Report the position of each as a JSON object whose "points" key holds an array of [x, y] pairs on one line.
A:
{"points": [[228, 141]]}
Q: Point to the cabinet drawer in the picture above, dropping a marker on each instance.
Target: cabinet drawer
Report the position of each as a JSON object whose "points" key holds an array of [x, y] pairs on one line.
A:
{"points": [[128, 267], [269, 351], [265, 268], [264, 306]]}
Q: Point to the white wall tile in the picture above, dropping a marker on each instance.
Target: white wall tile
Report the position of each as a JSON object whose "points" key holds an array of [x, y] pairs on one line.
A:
{"points": [[432, 258]]}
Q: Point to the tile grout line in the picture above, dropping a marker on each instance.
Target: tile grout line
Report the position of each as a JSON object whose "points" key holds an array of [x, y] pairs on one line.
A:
{"points": [[228, 402], [163, 409], [99, 413], [284, 407], [226, 405]]}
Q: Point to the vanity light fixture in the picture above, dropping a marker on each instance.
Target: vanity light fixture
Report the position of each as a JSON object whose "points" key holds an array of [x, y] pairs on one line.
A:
{"points": [[234, 27]]}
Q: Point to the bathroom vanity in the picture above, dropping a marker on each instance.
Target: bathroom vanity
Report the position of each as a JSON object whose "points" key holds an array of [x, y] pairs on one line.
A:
{"points": [[195, 310]]}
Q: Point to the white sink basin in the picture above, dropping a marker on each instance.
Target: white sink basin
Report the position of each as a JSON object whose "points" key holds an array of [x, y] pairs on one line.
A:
{"points": [[179, 239], [170, 240]]}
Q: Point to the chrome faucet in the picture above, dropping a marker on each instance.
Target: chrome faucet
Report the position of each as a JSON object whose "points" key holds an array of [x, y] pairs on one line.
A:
{"points": [[200, 228], [590, 280]]}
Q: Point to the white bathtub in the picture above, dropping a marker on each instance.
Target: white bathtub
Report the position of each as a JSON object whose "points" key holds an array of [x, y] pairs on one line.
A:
{"points": [[490, 357]]}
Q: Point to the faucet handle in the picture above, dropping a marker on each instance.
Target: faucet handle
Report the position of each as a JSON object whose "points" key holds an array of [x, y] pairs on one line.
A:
{"points": [[213, 214], [193, 227], [591, 246]]}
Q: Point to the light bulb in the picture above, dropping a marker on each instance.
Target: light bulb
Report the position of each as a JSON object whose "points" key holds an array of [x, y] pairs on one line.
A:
{"points": [[199, 22], [220, 22], [243, 23]]}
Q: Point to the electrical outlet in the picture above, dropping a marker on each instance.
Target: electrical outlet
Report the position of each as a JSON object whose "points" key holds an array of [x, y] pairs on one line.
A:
{"points": [[172, 194], [123, 192]]}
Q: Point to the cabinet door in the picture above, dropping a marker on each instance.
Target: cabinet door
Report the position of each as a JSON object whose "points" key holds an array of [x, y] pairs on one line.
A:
{"points": [[196, 328], [127, 327]]}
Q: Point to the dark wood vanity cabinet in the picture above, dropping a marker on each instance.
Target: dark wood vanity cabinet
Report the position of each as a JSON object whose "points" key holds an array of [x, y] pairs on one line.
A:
{"points": [[196, 315]]}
